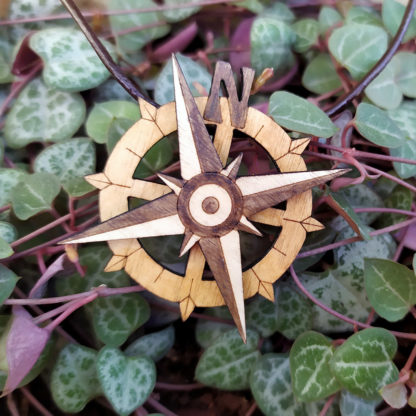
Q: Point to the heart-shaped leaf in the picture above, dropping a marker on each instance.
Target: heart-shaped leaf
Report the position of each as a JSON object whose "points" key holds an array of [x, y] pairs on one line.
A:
{"points": [[194, 73], [227, 363], [8, 281], [261, 316], [404, 64], [207, 332], [384, 91], [69, 161], [343, 43], [126, 381], [307, 32], [131, 42], [320, 75], [104, 114], [363, 15], [8, 231], [392, 14], [270, 384], [399, 198], [297, 114], [116, 317], [270, 41], [363, 363], [23, 9], [9, 178], [395, 395], [404, 117], [341, 293], [41, 113], [309, 366], [328, 17], [25, 342], [154, 346], [294, 311], [375, 125], [70, 62], [74, 379], [351, 405], [391, 288], [5, 249], [35, 195]]}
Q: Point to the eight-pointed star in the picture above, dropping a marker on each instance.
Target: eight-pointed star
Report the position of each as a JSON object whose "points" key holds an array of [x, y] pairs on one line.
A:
{"points": [[209, 204]]}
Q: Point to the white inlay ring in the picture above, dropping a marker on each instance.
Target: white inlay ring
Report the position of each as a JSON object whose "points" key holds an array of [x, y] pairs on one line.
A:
{"points": [[196, 207]]}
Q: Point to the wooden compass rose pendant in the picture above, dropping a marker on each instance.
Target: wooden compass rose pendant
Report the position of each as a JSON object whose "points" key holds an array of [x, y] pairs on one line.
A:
{"points": [[209, 204]]}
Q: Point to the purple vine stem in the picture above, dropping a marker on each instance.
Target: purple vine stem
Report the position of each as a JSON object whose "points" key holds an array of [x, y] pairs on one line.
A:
{"points": [[380, 65], [340, 315]]}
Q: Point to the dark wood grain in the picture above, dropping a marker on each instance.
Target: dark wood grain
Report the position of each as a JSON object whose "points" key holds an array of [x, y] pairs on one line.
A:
{"points": [[238, 108]]}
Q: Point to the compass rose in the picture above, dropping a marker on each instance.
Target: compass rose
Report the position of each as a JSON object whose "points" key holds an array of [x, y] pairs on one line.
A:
{"points": [[209, 204]]}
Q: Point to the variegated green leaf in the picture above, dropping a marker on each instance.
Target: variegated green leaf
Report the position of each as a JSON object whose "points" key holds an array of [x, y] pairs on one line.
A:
{"points": [[375, 125], [74, 379], [261, 316], [343, 43], [70, 62], [320, 75], [154, 346], [390, 287], [36, 194], [270, 383], [351, 405], [307, 32], [42, 114], [9, 178], [309, 366], [69, 161], [298, 114], [126, 381], [227, 363], [193, 72], [363, 363], [328, 17], [271, 40], [130, 42], [104, 114], [294, 312]]}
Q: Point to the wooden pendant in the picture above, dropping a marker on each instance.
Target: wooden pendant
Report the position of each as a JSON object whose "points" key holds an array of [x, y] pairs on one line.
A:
{"points": [[209, 205]]}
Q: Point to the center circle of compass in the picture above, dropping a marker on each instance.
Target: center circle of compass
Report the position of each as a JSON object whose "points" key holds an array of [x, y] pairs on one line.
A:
{"points": [[210, 205]]}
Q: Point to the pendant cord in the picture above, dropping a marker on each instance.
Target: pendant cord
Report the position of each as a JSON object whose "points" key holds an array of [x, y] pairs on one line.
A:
{"points": [[380, 65], [130, 86]]}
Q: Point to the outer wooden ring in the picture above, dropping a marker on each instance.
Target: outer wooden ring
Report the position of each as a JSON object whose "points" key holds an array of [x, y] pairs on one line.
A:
{"points": [[119, 170]]}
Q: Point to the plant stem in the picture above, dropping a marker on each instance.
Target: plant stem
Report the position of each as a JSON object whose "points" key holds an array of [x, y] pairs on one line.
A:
{"points": [[359, 153], [380, 65], [51, 225], [338, 315], [159, 407], [251, 409], [131, 87], [35, 402], [410, 360], [71, 308], [327, 405], [101, 291], [350, 240]]}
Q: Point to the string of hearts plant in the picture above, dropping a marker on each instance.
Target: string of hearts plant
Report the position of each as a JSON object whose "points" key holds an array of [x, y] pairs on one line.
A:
{"points": [[207, 201]]}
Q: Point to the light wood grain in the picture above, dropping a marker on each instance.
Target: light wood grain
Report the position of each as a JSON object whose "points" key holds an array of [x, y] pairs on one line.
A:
{"points": [[116, 186]]}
